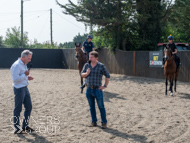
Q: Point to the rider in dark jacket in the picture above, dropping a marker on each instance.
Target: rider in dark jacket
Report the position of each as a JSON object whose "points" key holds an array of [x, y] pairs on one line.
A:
{"points": [[88, 46], [173, 47]]}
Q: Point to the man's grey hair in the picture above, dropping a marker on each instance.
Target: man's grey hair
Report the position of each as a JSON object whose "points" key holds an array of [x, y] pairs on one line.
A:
{"points": [[25, 53]]}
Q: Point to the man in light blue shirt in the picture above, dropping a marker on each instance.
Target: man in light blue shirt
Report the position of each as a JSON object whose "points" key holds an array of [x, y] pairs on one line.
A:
{"points": [[20, 77]]}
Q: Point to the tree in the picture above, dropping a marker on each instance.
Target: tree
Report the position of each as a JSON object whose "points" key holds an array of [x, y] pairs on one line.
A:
{"points": [[1, 42], [152, 15], [77, 39], [111, 16], [80, 38], [13, 38], [179, 21]]}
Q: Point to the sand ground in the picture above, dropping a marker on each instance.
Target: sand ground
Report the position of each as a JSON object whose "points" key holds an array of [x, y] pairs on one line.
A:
{"points": [[137, 110]]}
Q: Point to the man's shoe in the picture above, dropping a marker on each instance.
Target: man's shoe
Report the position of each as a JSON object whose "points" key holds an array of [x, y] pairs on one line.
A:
{"points": [[19, 132], [28, 129], [93, 125], [104, 126]]}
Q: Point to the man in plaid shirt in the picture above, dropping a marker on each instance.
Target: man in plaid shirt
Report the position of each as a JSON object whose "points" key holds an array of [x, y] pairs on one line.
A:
{"points": [[93, 73]]}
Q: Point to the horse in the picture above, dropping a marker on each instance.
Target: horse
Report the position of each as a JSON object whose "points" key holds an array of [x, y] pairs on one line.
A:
{"points": [[170, 70], [82, 59]]}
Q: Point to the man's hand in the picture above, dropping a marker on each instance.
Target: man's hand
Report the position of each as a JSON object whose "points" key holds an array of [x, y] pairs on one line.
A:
{"points": [[88, 71], [30, 78], [101, 87], [27, 73]]}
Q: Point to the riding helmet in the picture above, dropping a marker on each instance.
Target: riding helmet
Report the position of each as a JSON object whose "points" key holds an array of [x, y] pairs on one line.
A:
{"points": [[170, 37], [89, 37]]}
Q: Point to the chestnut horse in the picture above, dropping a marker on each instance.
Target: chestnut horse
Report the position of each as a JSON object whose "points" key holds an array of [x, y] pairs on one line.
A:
{"points": [[82, 59], [170, 70]]}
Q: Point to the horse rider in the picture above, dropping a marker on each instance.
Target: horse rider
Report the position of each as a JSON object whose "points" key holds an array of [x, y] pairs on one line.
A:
{"points": [[173, 47], [87, 46]]}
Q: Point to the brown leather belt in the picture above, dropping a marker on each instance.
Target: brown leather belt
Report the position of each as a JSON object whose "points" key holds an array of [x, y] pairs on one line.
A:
{"points": [[93, 87]]}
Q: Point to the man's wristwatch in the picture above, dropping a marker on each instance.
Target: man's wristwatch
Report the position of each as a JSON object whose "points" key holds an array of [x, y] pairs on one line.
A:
{"points": [[105, 85]]}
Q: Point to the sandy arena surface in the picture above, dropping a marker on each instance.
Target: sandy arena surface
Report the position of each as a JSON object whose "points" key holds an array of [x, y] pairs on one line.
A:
{"points": [[137, 110]]}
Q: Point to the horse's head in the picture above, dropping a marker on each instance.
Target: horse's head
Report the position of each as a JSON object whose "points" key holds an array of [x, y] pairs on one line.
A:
{"points": [[81, 55], [167, 53], [77, 47]]}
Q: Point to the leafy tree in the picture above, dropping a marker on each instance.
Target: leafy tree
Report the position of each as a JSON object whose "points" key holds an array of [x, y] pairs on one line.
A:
{"points": [[45, 45], [152, 15], [13, 38], [77, 39], [80, 38], [1, 42], [179, 21], [112, 16]]}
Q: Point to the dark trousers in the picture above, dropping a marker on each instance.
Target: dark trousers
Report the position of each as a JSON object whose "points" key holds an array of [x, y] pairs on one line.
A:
{"points": [[22, 96], [177, 59]]}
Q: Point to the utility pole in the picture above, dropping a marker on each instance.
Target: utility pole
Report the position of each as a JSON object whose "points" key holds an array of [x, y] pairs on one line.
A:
{"points": [[21, 23], [51, 27]]}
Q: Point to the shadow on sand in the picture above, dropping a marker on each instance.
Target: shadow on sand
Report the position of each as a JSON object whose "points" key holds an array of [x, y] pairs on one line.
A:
{"points": [[185, 95], [109, 95], [38, 139], [134, 137]]}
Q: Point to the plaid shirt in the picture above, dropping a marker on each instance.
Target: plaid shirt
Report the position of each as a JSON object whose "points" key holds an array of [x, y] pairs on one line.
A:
{"points": [[96, 73]]}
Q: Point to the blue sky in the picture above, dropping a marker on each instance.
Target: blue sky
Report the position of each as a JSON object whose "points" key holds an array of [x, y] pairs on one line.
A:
{"points": [[37, 20]]}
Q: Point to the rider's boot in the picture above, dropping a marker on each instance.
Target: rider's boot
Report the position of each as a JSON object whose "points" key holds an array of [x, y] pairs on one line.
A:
{"points": [[179, 63], [163, 63], [83, 86]]}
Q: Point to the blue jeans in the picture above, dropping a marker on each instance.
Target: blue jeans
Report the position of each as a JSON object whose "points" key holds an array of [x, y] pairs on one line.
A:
{"points": [[22, 96], [91, 95]]}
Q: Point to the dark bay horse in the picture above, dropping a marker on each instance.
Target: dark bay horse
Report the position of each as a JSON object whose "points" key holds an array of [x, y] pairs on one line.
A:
{"points": [[82, 59], [170, 70]]}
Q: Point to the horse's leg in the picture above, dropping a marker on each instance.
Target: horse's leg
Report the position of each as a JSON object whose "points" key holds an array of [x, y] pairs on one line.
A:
{"points": [[176, 75], [175, 84], [166, 86], [81, 80], [171, 87], [81, 84]]}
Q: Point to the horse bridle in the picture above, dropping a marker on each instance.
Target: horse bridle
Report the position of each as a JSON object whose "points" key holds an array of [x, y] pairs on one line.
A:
{"points": [[167, 57], [80, 54]]}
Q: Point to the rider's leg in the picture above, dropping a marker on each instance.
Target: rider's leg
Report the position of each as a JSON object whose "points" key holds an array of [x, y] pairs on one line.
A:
{"points": [[179, 62], [163, 63], [175, 59]]}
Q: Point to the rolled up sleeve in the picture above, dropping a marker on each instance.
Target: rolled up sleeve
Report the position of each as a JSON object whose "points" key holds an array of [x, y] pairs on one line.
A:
{"points": [[105, 71], [84, 68]]}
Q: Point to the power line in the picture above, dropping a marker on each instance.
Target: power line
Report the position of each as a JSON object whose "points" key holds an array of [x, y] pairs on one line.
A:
{"points": [[24, 16], [43, 27], [9, 20], [68, 20], [35, 17], [14, 13], [26, 20], [29, 14]]}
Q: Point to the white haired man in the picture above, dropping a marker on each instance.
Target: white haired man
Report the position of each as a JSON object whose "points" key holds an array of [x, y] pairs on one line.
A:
{"points": [[20, 77]]}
